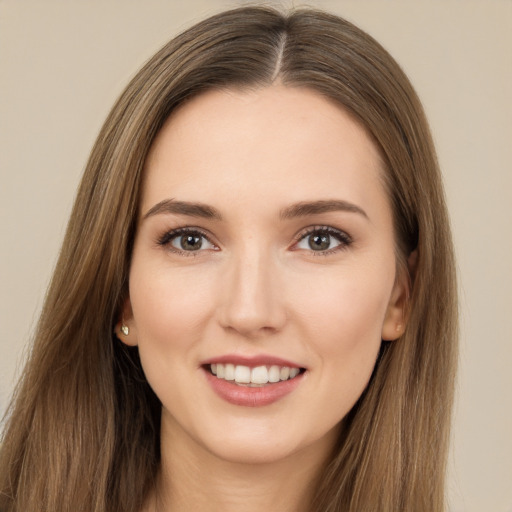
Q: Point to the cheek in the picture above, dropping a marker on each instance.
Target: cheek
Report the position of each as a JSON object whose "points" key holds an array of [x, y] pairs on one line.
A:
{"points": [[344, 311], [169, 305], [170, 311], [344, 328]]}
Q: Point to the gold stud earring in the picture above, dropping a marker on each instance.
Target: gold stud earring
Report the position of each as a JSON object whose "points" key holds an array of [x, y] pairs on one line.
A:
{"points": [[398, 328], [125, 329]]}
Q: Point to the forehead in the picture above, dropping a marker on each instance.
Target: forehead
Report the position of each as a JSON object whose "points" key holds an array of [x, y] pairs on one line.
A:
{"points": [[274, 142]]}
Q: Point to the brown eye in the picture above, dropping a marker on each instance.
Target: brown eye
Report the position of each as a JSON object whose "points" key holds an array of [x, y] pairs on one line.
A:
{"points": [[188, 242], [323, 240], [319, 242]]}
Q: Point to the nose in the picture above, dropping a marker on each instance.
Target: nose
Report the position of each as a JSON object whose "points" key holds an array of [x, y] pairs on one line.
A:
{"points": [[252, 300]]}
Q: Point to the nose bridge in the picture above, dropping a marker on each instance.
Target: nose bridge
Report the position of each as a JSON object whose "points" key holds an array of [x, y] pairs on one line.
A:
{"points": [[252, 303]]}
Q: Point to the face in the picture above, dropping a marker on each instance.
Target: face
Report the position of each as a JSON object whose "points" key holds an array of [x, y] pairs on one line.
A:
{"points": [[264, 254]]}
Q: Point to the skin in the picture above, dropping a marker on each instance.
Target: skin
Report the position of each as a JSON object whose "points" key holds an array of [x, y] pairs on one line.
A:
{"points": [[256, 286]]}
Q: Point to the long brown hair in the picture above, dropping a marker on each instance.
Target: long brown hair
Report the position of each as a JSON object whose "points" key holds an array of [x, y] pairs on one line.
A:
{"points": [[82, 432]]}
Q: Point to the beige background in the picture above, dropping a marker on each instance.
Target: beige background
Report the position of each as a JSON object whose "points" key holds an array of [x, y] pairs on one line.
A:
{"points": [[63, 64]]}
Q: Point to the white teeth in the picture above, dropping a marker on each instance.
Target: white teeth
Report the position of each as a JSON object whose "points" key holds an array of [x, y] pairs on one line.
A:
{"points": [[258, 375], [284, 373], [229, 372], [294, 372], [273, 373], [242, 374]]}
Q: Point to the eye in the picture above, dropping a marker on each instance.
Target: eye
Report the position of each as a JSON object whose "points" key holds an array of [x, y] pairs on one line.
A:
{"points": [[323, 240], [186, 240]]}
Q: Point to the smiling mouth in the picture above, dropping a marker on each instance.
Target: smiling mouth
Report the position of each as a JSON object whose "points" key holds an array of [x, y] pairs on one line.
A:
{"points": [[257, 376]]}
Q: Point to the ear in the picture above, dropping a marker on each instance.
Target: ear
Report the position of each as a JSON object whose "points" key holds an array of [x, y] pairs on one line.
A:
{"points": [[126, 329], [397, 311]]}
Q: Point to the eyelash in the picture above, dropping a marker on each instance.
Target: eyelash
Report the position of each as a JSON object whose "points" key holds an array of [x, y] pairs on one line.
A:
{"points": [[343, 238], [166, 239]]}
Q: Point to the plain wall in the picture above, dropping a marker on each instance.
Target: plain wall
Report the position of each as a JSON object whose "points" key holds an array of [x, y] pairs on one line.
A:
{"points": [[62, 64]]}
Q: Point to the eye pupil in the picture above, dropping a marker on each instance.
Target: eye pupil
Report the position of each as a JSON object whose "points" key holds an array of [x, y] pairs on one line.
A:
{"points": [[319, 241], [191, 242]]}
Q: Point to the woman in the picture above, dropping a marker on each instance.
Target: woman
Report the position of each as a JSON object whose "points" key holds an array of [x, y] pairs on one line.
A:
{"points": [[255, 302]]}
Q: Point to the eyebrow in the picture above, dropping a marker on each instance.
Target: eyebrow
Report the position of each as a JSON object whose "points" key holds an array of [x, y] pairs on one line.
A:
{"points": [[184, 208], [303, 209], [293, 211]]}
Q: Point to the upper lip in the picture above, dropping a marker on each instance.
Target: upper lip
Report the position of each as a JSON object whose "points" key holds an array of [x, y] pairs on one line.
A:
{"points": [[251, 361]]}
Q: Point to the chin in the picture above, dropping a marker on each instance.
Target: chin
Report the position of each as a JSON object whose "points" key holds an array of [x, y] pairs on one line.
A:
{"points": [[263, 444], [250, 453]]}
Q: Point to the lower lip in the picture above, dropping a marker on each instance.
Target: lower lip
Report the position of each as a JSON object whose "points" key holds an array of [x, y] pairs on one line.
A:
{"points": [[252, 396]]}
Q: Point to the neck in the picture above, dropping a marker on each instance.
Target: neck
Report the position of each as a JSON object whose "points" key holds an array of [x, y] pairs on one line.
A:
{"points": [[193, 479]]}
